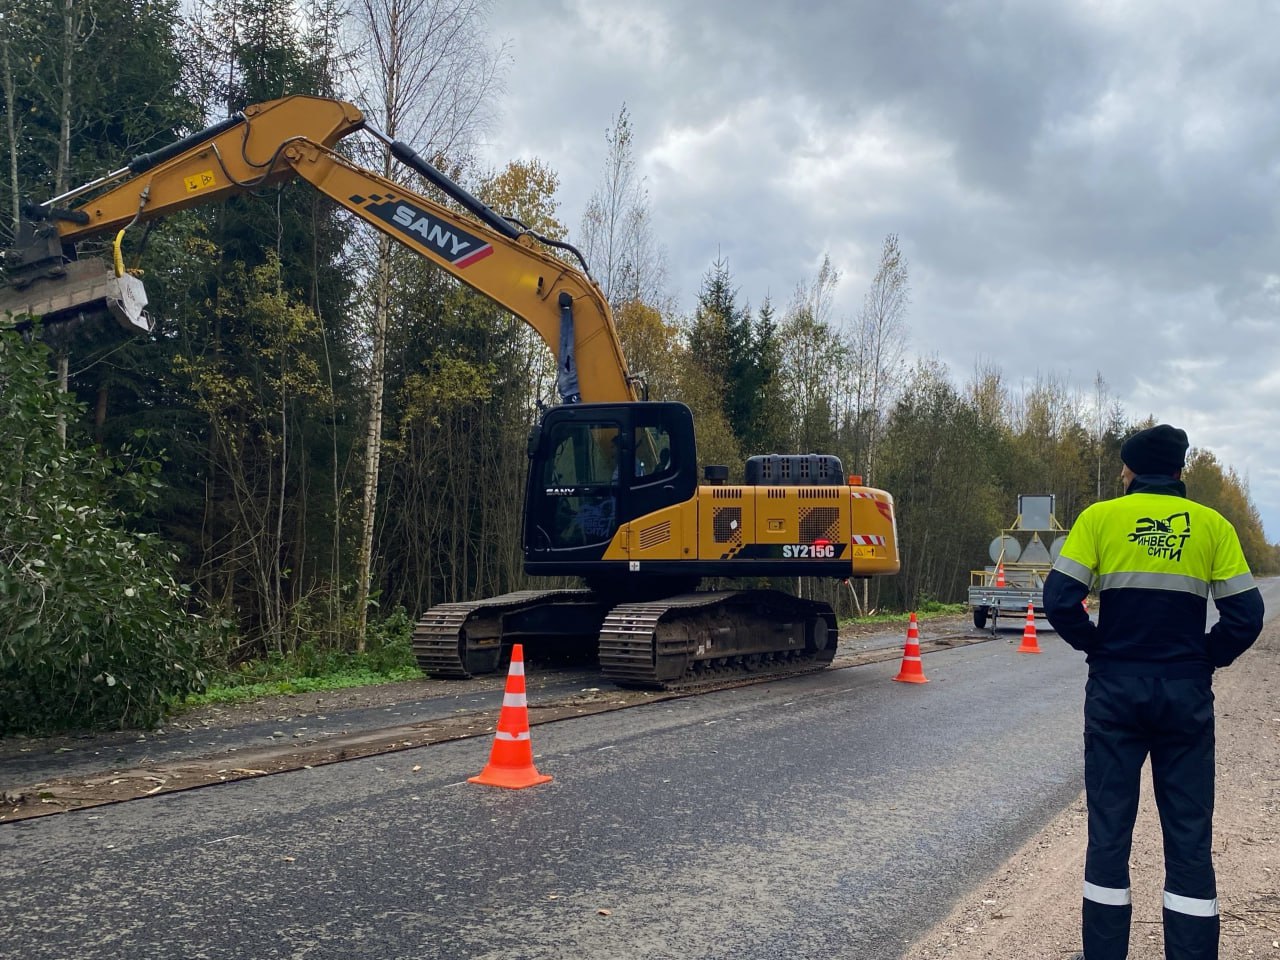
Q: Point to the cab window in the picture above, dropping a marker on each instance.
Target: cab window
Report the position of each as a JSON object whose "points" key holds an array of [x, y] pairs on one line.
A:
{"points": [[653, 452], [580, 481]]}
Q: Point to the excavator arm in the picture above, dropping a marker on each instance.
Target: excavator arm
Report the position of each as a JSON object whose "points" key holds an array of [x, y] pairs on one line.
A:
{"points": [[294, 138]]}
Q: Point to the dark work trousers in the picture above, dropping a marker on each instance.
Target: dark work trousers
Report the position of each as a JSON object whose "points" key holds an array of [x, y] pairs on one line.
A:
{"points": [[1125, 719]]}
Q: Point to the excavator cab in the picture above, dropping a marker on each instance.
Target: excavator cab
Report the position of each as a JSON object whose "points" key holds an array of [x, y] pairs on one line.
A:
{"points": [[593, 468]]}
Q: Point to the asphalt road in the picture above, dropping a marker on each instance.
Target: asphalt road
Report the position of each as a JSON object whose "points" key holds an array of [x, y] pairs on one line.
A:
{"points": [[833, 815]]}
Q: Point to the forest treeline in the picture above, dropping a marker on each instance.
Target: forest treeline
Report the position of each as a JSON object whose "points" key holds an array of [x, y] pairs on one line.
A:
{"points": [[330, 428]]}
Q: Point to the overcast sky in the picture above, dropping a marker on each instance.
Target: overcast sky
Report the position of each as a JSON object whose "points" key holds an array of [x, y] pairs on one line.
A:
{"points": [[1079, 187]]}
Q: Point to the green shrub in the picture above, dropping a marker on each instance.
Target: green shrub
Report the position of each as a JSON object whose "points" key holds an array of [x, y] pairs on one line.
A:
{"points": [[389, 643], [95, 630], [928, 605]]}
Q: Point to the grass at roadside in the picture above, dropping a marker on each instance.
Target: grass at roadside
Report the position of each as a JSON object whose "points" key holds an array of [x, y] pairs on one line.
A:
{"points": [[927, 610], [388, 658], [233, 691]]}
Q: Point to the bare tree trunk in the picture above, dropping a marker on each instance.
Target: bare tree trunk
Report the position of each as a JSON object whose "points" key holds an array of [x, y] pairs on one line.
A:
{"points": [[100, 415], [335, 567], [63, 368], [62, 171], [70, 33], [276, 596], [859, 606], [432, 74], [75, 21], [879, 347], [10, 120], [373, 438]]}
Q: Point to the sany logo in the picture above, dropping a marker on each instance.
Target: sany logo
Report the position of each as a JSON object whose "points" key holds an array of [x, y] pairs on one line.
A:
{"points": [[445, 240]]}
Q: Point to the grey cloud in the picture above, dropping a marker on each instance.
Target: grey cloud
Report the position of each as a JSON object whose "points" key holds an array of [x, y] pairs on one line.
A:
{"points": [[1097, 190]]}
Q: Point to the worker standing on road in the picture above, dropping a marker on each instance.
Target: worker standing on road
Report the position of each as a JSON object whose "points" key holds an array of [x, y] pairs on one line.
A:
{"points": [[1157, 558]]}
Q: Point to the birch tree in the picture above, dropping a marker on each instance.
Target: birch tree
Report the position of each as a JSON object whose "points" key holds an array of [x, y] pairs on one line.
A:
{"points": [[877, 351], [11, 36], [431, 72], [617, 231], [812, 356]]}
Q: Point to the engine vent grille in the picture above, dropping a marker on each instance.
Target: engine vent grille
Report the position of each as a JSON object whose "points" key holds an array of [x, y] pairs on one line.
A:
{"points": [[726, 524], [820, 523], [657, 534]]}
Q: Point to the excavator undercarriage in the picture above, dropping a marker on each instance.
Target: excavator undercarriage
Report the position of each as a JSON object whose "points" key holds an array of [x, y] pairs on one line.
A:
{"points": [[460, 640], [667, 643]]}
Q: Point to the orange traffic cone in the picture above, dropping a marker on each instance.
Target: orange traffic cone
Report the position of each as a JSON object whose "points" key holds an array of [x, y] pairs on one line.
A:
{"points": [[511, 760], [1029, 644], [999, 574], [911, 671]]}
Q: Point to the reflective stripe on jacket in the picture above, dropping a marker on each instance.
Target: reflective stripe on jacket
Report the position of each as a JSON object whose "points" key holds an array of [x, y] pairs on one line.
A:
{"points": [[1156, 558]]}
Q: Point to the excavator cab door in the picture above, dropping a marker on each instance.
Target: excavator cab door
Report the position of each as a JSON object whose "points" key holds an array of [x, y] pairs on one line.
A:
{"points": [[595, 466], [577, 477]]}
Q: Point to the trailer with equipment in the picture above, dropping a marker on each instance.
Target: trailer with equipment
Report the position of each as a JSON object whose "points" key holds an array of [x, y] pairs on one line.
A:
{"points": [[1021, 557]]}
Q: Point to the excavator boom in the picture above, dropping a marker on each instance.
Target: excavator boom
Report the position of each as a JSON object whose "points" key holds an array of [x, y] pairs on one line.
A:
{"points": [[293, 138]]}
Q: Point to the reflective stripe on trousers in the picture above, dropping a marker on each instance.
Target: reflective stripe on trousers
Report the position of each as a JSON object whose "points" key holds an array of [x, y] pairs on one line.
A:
{"points": [[1127, 719]]}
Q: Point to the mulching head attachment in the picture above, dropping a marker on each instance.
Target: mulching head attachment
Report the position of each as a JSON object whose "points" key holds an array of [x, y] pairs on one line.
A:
{"points": [[44, 285], [87, 291]]}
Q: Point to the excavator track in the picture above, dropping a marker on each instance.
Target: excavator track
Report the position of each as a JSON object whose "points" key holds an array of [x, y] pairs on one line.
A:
{"points": [[460, 640], [696, 638]]}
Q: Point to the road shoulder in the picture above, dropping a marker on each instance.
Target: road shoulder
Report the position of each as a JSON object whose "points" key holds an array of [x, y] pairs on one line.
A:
{"points": [[1028, 909]]}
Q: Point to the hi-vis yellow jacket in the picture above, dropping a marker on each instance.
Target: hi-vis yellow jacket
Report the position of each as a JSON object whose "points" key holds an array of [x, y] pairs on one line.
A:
{"points": [[1157, 558]]}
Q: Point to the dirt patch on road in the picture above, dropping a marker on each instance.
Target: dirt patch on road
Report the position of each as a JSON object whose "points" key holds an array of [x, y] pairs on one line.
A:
{"points": [[1029, 909]]}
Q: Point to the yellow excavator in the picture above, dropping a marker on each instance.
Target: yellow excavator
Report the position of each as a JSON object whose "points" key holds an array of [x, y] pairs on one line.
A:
{"points": [[613, 493]]}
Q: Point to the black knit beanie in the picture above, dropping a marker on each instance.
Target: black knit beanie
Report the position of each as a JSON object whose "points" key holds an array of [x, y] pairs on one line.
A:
{"points": [[1160, 450]]}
